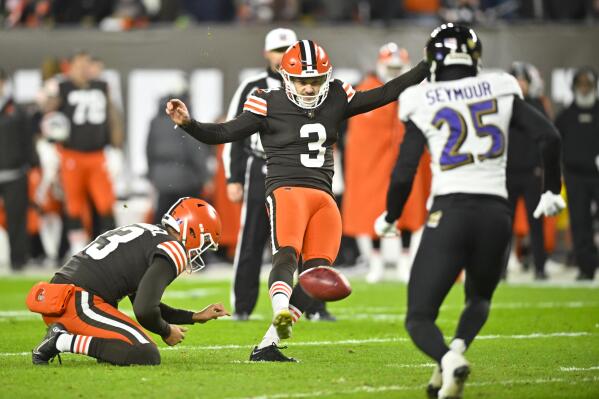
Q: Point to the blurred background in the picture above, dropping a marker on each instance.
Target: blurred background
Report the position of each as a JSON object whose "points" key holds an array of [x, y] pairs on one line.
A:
{"points": [[138, 53]]}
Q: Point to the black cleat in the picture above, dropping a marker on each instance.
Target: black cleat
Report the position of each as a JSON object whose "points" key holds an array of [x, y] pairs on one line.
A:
{"points": [[46, 350], [270, 353], [432, 391]]}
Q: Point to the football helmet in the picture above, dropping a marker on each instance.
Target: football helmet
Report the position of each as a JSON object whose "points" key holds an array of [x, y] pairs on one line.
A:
{"points": [[453, 45], [306, 59], [392, 62], [198, 228]]}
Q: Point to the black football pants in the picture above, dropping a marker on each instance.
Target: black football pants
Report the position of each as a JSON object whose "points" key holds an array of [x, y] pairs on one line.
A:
{"points": [[529, 186], [582, 191], [16, 202], [463, 231], [254, 234]]}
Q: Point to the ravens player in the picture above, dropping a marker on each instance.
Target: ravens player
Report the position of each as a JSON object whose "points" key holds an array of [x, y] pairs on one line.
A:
{"points": [[139, 260], [298, 126], [463, 117]]}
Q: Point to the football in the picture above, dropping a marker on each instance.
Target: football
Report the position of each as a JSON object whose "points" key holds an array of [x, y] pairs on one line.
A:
{"points": [[325, 283]]}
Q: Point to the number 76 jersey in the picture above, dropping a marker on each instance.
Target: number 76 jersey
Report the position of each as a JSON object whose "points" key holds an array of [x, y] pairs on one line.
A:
{"points": [[466, 124]]}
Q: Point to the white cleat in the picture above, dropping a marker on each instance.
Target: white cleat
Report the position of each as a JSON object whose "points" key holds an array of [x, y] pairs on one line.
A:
{"points": [[283, 322], [455, 371], [434, 384]]}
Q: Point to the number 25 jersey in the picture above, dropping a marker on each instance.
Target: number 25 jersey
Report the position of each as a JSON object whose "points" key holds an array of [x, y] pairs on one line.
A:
{"points": [[466, 124]]}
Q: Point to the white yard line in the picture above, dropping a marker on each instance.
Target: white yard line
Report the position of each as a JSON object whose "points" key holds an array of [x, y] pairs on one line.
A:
{"points": [[494, 305], [392, 388], [359, 341], [592, 368]]}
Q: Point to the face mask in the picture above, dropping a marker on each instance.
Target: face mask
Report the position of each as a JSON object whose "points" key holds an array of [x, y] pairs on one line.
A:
{"points": [[585, 100]]}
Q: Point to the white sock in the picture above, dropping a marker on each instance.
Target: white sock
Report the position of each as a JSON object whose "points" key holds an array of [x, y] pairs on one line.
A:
{"points": [[280, 292], [458, 345], [63, 343], [78, 239], [295, 313], [390, 249], [270, 338], [365, 247], [73, 343]]}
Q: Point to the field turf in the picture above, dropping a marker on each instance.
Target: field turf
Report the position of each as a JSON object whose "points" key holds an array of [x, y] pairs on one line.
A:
{"points": [[540, 342]]}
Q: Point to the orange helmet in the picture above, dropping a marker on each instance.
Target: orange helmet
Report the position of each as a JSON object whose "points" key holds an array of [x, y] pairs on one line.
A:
{"points": [[392, 61], [306, 59], [198, 227]]}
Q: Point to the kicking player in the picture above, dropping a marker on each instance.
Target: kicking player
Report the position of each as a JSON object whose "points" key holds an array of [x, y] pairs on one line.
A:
{"points": [[463, 117], [298, 126], [139, 260]]}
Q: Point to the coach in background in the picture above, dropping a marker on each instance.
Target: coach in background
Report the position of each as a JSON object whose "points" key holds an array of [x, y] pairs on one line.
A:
{"points": [[524, 167], [176, 167], [16, 155], [579, 127]]}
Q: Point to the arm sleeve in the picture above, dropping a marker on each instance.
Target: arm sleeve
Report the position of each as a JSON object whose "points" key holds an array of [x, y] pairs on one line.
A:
{"points": [[541, 130], [146, 305], [218, 133], [234, 154], [365, 101], [235, 159], [404, 171]]}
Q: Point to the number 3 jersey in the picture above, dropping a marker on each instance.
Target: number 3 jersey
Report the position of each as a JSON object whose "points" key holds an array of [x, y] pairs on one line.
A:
{"points": [[465, 123], [299, 142], [114, 263]]}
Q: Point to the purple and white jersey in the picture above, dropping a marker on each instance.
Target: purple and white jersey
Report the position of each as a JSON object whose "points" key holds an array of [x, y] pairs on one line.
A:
{"points": [[466, 124]]}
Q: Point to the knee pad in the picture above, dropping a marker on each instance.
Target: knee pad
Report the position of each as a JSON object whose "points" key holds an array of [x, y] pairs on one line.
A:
{"points": [[144, 354], [413, 319], [479, 305]]}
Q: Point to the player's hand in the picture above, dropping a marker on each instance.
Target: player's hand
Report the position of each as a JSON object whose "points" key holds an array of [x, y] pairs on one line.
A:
{"points": [[210, 312], [550, 204], [176, 336], [382, 228], [177, 111], [235, 192]]}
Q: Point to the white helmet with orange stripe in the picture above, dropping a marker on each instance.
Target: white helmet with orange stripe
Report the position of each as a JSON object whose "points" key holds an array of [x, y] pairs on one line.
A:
{"points": [[392, 62], [306, 62], [197, 226]]}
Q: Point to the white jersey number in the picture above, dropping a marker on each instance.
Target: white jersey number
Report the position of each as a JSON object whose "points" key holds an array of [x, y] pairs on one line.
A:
{"points": [[308, 160], [90, 106], [451, 157], [115, 237]]}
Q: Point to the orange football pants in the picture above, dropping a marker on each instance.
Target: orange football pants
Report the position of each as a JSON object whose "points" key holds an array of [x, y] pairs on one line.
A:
{"points": [[84, 175], [90, 315], [306, 219]]}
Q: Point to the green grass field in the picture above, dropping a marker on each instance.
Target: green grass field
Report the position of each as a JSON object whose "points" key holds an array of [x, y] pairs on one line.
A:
{"points": [[540, 342]]}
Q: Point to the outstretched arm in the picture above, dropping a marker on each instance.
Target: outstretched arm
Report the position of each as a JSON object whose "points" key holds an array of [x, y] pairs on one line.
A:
{"points": [[541, 130], [365, 101], [213, 133], [404, 171]]}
